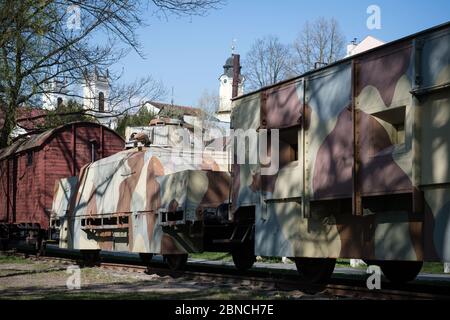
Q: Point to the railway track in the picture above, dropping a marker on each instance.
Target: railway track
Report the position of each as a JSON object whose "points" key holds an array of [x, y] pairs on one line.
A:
{"points": [[339, 288], [270, 281]]}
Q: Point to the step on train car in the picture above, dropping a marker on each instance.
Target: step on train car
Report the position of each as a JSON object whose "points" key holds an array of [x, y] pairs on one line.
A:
{"points": [[364, 152]]}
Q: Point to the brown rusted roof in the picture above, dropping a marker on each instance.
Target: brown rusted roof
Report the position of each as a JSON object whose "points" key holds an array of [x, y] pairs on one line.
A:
{"points": [[30, 118], [6, 152], [36, 140], [185, 110], [165, 121], [169, 121], [26, 117]]}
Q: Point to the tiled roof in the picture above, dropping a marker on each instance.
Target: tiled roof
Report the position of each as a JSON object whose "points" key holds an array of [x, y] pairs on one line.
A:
{"points": [[36, 140], [185, 110], [29, 118]]}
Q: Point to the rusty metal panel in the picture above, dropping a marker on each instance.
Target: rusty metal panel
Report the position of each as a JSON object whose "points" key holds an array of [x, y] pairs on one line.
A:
{"points": [[192, 191], [283, 106], [151, 187], [246, 115], [4, 191], [383, 107], [356, 191], [328, 140], [283, 110], [435, 60]]}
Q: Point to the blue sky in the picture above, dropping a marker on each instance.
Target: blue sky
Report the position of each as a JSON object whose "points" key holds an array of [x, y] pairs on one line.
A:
{"points": [[188, 53]]}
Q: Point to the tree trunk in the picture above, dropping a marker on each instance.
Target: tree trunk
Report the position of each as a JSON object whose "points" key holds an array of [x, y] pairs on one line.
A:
{"points": [[3, 138], [8, 127]]}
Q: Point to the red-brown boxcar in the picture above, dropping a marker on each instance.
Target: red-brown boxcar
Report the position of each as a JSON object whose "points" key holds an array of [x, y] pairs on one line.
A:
{"points": [[31, 165]]}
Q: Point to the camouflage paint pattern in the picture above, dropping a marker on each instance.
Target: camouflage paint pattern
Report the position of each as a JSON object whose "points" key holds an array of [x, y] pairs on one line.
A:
{"points": [[63, 192], [374, 127], [144, 199]]}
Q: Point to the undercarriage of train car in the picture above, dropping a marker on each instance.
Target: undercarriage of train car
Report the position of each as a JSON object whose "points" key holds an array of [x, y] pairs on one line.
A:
{"points": [[215, 232], [30, 235]]}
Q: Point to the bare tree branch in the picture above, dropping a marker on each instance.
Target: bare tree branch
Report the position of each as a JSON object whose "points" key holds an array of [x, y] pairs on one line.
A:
{"points": [[47, 40], [267, 62], [319, 42]]}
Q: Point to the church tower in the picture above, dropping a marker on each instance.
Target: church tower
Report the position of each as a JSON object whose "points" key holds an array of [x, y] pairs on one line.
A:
{"points": [[231, 85], [96, 92], [55, 94], [96, 98]]}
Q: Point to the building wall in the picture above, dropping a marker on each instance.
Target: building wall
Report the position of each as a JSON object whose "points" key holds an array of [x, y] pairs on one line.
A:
{"points": [[91, 90]]}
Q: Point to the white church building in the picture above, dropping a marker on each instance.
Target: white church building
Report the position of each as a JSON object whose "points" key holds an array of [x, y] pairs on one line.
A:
{"points": [[95, 97], [56, 93], [226, 88], [223, 113]]}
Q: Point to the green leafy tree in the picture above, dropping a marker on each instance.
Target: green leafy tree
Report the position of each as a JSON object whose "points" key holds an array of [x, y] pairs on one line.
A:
{"points": [[140, 118], [65, 113], [173, 113]]}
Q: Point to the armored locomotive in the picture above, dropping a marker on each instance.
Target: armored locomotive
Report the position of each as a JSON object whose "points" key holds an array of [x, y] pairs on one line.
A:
{"points": [[363, 161], [159, 196]]}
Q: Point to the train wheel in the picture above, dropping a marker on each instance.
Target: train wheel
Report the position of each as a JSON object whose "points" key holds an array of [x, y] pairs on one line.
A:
{"points": [[4, 237], [176, 262], [4, 244], [400, 271], [91, 258], [243, 256], [315, 270], [40, 247], [146, 258]]}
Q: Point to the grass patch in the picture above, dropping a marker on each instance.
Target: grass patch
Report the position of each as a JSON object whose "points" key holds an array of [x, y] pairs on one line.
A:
{"points": [[212, 256], [224, 256], [345, 263], [13, 259], [433, 267], [428, 267], [271, 260]]}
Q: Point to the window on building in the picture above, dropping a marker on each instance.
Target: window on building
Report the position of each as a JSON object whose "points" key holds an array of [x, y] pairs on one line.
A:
{"points": [[59, 102], [101, 102]]}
